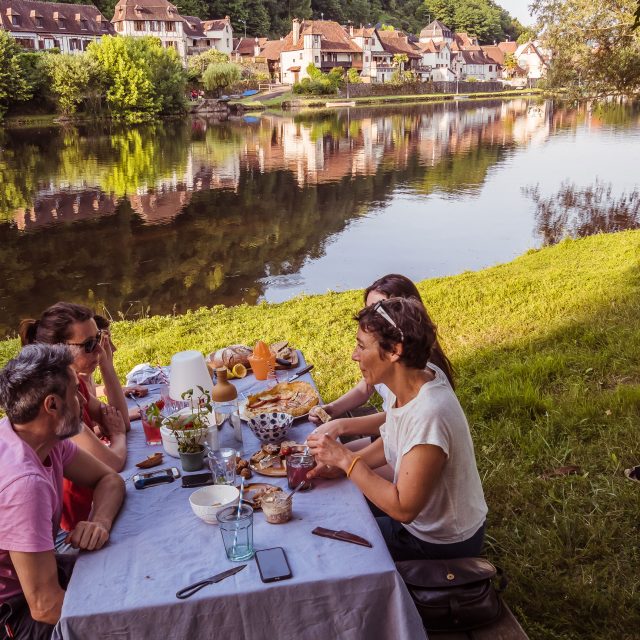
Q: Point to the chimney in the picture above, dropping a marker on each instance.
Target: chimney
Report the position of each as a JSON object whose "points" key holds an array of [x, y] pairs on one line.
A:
{"points": [[296, 30], [256, 49], [351, 30]]}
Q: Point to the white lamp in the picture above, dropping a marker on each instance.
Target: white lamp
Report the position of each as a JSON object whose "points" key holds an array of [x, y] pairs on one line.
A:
{"points": [[188, 372]]}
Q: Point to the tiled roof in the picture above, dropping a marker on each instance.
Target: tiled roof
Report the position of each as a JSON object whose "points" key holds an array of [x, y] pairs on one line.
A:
{"points": [[246, 46], [495, 53], [508, 47], [215, 25], [363, 32], [464, 42], [193, 27], [271, 49], [334, 37], [476, 57], [397, 42], [146, 10], [32, 12], [432, 47], [436, 28]]}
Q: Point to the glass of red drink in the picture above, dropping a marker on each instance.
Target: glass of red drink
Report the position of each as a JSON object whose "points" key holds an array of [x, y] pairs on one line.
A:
{"points": [[298, 465], [151, 426]]}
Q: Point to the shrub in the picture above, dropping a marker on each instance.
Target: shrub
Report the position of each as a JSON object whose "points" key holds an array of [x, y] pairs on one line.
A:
{"points": [[220, 75], [197, 65], [13, 83]]}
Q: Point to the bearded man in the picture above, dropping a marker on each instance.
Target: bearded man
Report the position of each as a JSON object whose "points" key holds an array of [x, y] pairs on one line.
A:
{"points": [[39, 394]]}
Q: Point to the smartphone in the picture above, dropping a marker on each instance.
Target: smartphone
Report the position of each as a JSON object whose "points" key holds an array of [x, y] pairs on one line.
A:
{"points": [[158, 476], [197, 480], [273, 565]]}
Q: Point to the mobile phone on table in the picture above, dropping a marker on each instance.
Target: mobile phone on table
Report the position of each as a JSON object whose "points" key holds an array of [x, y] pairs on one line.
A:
{"points": [[197, 480], [273, 565], [158, 476]]}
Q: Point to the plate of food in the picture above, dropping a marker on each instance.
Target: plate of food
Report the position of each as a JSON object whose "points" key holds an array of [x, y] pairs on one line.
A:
{"points": [[238, 354], [295, 398], [255, 491], [270, 460]]}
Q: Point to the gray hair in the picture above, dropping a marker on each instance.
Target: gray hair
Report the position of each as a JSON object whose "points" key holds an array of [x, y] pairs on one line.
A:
{"points": [[37, 371]]}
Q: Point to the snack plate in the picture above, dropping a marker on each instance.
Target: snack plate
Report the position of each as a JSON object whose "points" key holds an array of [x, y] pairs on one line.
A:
{"points": [[280, 472], [253, 487]]}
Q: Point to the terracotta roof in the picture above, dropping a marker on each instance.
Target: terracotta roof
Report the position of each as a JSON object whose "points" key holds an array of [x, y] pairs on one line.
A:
{"points": [[363, 32], [32, 13], [146, 10], [508, 47], [193, 27], [397, 42], [432, 47], [271, 49], [476, 57], [333, 37], [436, 28], [495, 53], [464, 42], [215, 25], [246, 46]]}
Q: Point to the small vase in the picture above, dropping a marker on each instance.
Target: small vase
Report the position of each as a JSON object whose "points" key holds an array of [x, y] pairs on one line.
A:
{"points": [[192, 461]]}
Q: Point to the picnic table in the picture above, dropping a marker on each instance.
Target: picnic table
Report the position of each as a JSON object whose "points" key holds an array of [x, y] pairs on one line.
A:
{"points": [[158, 546]]}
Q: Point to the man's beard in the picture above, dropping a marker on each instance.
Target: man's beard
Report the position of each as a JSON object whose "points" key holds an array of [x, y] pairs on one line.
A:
{"points": [[69, 426]]}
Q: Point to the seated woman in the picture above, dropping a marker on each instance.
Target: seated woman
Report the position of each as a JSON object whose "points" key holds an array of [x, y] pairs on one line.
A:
{"points": [[74, 325], [434, 507], [393, 285]]}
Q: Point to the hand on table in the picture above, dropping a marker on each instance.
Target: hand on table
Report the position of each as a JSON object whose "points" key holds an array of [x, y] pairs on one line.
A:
{"points": [[88, 536], [136, 389]]}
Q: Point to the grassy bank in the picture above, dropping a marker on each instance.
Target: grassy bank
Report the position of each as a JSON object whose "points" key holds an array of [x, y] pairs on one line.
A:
{"points": [[547, 353]]}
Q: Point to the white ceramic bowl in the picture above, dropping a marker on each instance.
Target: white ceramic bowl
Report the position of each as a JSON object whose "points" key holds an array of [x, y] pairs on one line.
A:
{"points": [[207, 501], [271, 428], [170, 443]]}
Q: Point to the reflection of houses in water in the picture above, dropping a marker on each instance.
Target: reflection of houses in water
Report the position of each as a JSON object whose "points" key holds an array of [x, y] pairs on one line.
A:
{"points": [[51, 207], [160, 205]]}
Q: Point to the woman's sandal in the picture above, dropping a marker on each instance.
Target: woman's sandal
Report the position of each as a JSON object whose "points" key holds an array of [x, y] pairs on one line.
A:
{"points": [[633, 473]]}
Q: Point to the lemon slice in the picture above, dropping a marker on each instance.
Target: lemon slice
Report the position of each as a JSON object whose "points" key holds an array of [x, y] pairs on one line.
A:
{"points": [[230, 374], [239, 370]]}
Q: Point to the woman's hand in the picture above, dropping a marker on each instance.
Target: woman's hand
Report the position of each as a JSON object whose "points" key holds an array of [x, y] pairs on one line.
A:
{"points": [[135, 389], [314, 418], [328, 452], [333, 428], [111, 421]]}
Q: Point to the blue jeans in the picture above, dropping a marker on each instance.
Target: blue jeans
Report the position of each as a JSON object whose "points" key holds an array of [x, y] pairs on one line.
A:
{"points": [[405, 546]]}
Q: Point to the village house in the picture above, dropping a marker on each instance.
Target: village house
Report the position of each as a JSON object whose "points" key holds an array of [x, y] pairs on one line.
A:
{"points": [[247, 49], [270, 52], [159, 18], [397, 43], [323, 43], [530, 58], [377, 63], [40, 26], [436, 56]]}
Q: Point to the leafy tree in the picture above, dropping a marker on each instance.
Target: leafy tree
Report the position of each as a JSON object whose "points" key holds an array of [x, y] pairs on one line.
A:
{"points": [[220, 75], [526, 36], [510, 64], [73, 77], [353, 76], [13, 83], [197, 65], [594, 49], [36, 73]]}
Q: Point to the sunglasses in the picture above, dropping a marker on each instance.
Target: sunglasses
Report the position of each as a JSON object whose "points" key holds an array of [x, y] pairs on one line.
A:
{"points": [[89, 345], [378, 308]]}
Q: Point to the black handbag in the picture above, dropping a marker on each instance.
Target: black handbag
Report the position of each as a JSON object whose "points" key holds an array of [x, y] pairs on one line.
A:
{"points": [[454, 595]]}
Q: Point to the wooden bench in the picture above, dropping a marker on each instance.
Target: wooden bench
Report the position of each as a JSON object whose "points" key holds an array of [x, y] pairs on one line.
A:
{"points": [[506, 628]]}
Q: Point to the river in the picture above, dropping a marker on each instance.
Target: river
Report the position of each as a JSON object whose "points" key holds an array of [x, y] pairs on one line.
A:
{"points": [[181, 214]]}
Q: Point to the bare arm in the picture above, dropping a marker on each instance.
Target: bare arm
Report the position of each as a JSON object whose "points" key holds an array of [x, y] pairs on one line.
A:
{"points": [[420, 469], [113, 456], [38, 576], [108, 494], [353, 398], [112, 387], [360, 426]]}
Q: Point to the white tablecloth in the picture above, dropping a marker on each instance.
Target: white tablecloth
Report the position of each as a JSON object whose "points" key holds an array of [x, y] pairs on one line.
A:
{"points": [[157, 546]]}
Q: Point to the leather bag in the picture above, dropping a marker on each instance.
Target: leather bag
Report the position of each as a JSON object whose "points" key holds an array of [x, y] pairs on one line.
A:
{"points": [[453, 595]]}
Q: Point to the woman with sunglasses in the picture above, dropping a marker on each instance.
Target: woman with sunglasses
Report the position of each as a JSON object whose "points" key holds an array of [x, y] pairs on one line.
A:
{"points": [[74, 325], [392, 285], [434, 507]]}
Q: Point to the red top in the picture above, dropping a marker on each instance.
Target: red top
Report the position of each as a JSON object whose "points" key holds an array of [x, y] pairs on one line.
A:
{"points": [[76, 500]]}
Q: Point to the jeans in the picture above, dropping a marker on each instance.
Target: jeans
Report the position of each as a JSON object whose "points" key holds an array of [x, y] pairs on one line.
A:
{"points": [[16, 617]]}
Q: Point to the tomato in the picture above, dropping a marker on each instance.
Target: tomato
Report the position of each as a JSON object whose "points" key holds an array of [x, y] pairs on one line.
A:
{"points": [[160, 404]]}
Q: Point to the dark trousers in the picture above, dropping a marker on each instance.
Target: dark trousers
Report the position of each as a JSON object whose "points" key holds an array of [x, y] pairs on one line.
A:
{"points": [[15, 618]]}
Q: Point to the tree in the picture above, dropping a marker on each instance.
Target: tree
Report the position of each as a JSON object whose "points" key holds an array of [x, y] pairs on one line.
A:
{"points": [[73, 78], [527, 36], [594, 48], [510, 64], [13, 84], [197, 65], [220, 75]]}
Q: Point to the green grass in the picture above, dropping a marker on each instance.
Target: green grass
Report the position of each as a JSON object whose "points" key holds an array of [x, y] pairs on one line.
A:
{"points": [[547, 353]]}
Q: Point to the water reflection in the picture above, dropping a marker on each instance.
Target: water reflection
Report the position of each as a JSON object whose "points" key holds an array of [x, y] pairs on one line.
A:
{"points": [[169, 217]]}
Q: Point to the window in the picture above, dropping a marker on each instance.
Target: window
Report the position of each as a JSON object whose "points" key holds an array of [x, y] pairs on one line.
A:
{"points": [[119, 26], [61, 23], [169, 26], [103, 25], [15, 20], [490, 68], [153, 25], [138, 25], [83, 24], [39, 22], [317, 59]]}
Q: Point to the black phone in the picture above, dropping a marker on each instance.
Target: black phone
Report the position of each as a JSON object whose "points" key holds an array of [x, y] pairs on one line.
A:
{"points": [[197, 480], [273, 565], [157, 476]]}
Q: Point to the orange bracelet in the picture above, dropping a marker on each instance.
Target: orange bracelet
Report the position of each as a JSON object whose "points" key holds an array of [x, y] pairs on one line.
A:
{"points": [[352, 465]]}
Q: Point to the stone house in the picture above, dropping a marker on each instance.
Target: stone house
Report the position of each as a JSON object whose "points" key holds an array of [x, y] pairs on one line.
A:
{"points": [[398, 43], [377, 63], [39, 26]]}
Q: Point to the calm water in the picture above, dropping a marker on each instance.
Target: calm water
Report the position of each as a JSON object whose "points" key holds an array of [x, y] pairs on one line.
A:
{"points": [[183, 214]]}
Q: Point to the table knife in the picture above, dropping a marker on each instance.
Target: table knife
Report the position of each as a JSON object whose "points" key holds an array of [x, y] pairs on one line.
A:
{"points": [[196, 586], [295, 376], [345, 536]]}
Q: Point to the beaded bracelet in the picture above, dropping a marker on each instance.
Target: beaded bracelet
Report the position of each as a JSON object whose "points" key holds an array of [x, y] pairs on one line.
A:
{"points": [[352, 465]]}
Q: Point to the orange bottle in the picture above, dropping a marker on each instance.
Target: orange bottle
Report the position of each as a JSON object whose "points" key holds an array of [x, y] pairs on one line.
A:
{"points": [[262, 361]]}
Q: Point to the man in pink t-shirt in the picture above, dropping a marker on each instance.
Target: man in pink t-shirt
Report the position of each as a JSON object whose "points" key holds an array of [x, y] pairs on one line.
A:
{"points": [[39, 393]]}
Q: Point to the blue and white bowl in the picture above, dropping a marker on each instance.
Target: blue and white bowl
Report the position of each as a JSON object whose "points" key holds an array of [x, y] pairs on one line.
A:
{"points": [[271, 428]]}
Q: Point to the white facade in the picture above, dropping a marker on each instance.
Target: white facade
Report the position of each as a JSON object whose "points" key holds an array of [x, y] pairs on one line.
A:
{"points": [[530, 59], [170, 32]]}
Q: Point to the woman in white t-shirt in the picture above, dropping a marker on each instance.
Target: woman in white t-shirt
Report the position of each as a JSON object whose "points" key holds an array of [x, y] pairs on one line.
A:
{"points": [[392, 285], [434, 507]]}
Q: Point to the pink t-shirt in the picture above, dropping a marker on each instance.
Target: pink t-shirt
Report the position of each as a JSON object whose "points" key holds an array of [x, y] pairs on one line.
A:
{"points": [[30, 501]]}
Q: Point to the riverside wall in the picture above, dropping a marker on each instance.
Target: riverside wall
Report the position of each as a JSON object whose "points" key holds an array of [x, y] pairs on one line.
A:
{"points": [[362, 90]]}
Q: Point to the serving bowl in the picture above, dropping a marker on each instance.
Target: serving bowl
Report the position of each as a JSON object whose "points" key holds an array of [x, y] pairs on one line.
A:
{"points": [[271, 428], [207, 501]]}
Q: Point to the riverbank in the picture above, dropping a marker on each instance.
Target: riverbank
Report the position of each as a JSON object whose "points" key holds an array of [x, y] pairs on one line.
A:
{"points": [[289, 100], [547, 354]]}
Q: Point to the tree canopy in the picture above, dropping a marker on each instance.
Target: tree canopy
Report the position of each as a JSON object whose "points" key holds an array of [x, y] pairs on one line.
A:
{"points": [[13, 83]]}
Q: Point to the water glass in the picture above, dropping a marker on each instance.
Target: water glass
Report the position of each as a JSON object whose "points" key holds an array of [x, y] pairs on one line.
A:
{"points": [[236, 527], [222, 463]]}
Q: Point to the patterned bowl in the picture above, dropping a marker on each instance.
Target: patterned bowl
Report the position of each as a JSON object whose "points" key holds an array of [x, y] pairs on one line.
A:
{"points": [[271, 428]]}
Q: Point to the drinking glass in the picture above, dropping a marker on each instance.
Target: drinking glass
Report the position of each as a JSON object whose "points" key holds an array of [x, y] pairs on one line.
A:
{"points": [[222, 463], [236, 527], [298, 465], [151, 428]]}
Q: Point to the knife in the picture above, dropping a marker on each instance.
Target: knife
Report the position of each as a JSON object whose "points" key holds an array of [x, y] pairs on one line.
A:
{"points": [[345, 536], [196, 586], [295, 376]]}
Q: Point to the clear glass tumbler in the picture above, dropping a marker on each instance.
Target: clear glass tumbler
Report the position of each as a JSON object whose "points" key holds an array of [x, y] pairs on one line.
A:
{"points": [[236, 527], [222, 463]]}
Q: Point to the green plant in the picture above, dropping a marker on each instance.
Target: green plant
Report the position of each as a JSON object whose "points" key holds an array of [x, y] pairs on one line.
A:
{"points": [[197, 65], [220, 75], [13, 83], [189, 429]]}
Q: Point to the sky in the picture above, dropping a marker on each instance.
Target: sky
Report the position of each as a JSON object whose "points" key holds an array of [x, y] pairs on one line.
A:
{"points": [[518, 9]]}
